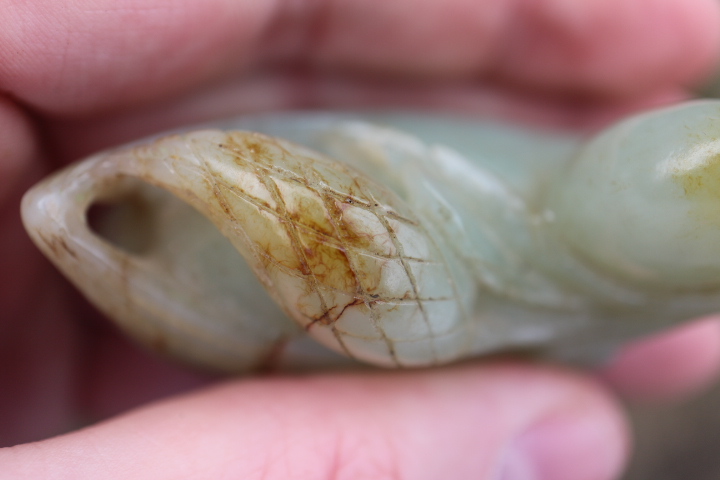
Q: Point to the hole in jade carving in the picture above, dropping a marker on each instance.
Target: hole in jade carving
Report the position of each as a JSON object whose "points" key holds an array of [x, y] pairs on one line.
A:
{"points": [[111, 219], [184, 254], [130, 215]]}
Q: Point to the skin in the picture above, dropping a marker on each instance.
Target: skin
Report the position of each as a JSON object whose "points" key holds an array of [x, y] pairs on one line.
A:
{"points": [[80, 75]]}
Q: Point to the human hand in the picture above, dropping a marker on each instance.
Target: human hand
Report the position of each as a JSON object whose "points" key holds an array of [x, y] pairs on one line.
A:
{"points": [[83, 75]]}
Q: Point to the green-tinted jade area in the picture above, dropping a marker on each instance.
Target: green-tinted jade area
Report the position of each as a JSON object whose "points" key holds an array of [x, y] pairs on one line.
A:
{"points": [[318, 240]]}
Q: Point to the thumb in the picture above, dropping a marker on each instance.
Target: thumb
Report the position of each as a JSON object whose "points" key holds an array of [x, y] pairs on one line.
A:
{"points": [[481, 422]]}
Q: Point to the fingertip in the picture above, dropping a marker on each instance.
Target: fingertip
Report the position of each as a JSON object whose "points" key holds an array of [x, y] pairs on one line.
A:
{"points": [[668, 365], [582, 441], [17, 146], [612, 47], [570, 427]]}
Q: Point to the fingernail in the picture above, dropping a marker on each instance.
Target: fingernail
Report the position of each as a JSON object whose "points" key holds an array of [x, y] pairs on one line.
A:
{"points": [[566, 448]]}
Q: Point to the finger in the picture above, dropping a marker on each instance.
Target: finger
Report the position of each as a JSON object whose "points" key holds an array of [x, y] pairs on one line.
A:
{"points": [[479, 423], [668, 365], [74, 138], [37, 339], [611, 47], [35, 343], [90, 55], [19, 168], [17, 149]]}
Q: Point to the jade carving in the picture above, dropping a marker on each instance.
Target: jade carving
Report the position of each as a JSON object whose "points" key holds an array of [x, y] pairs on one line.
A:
{"points": [[398, 240]]}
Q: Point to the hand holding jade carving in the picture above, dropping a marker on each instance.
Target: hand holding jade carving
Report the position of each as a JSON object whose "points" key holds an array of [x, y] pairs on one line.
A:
{"points": [[84, 79]]}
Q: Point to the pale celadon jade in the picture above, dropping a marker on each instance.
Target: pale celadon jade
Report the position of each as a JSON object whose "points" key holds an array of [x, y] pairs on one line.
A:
{"points": [[398, 240]]}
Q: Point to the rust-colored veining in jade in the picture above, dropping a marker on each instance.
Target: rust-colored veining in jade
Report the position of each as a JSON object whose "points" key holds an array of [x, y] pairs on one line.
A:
{"points": [[334, 241]]}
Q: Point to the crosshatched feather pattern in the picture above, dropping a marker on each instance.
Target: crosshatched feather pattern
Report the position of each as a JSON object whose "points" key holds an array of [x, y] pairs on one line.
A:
{"points": [[345, 258]]}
